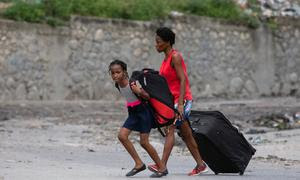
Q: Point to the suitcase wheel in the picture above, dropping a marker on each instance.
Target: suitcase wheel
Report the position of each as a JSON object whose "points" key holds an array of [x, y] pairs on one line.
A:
{"points": [[241, 173], [216, 173]]}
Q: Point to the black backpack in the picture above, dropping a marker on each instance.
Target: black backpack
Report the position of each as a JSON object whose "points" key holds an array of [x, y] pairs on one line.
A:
{"points": [[161, 100]]}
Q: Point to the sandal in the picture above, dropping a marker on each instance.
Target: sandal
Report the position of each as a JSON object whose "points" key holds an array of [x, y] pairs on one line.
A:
{"points": [[154, 168], [158, 174], [134, 171]]}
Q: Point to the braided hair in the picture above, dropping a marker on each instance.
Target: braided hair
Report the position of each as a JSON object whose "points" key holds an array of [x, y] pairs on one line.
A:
{"points": [[123, 66]]}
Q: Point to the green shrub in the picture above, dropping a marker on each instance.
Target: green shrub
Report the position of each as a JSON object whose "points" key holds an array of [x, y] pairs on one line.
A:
{"points": [[147, 9], [22, 11], [55, 12], [58, 8], [272, 23], [254, 5], [102, 8], [224, 9], [129, 9]]}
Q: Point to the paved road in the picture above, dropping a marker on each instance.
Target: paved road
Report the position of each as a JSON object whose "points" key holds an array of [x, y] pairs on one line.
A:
{"points": [[47, 149], [75, 163], [69, 163]]}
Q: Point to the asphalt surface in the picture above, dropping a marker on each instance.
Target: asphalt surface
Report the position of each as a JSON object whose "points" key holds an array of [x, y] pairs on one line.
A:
{"points": [[48, 147], [33, 151]]}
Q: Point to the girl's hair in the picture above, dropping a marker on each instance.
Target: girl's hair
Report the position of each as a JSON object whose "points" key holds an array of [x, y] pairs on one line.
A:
{"points": [[123, 66], [118, 62], [121, 63], [166, 34]]}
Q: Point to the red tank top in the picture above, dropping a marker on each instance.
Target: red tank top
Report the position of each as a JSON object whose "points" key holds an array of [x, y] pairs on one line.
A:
{"points": [[173, 81]]}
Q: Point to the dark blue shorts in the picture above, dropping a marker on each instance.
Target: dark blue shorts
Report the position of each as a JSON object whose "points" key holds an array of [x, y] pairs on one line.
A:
{"points": [[140, 119]]}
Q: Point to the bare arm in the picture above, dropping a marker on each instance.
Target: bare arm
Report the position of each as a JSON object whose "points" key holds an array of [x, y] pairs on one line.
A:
{"points": [[139, 91], [177, 64]]}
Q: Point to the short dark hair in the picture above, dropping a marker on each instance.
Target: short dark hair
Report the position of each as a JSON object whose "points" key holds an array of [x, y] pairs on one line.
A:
{"points": [[118, 62], [166, 34]]}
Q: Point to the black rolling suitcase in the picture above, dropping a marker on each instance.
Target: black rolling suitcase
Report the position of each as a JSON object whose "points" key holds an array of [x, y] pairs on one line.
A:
{"points": [[223, 148]]}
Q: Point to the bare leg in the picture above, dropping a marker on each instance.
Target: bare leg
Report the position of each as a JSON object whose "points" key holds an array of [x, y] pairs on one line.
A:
{"points": [[169, 143], [144, 141], [123, 137], [190, 142]]}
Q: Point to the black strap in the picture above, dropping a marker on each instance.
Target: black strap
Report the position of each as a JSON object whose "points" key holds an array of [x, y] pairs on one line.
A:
{"points": [[117, 86], [157, 125], [160, 131]]}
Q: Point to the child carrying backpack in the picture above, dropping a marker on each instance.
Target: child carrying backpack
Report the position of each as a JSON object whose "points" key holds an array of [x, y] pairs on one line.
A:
{"points": [[139, 119], [160, 98]]}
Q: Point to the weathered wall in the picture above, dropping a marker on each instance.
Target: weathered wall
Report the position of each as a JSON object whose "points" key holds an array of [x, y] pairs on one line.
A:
{"points": [[38, 62]]}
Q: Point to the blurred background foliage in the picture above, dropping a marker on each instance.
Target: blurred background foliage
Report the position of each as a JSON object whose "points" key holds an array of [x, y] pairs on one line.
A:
{"points": [[57, 12]]}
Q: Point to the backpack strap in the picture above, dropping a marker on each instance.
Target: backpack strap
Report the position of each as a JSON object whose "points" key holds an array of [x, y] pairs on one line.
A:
{"points": [[117, 86], [161, 132]]}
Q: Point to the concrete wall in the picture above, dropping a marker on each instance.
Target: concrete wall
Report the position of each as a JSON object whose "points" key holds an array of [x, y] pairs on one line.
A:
{"points": [[38, 62]]}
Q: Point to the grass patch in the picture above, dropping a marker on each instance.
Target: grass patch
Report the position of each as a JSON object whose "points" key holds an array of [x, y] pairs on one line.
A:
{"points": [[126, 9], [56, 12], [272, 23], [223, 9], [22, 11]]}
